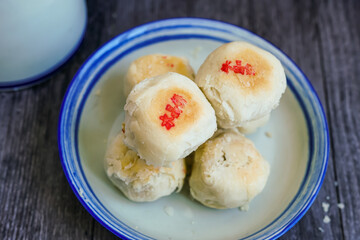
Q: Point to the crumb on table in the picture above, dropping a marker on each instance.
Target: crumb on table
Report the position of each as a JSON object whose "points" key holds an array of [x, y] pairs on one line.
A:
{"points": [[325, 206], [326, 219], [341, 205]]}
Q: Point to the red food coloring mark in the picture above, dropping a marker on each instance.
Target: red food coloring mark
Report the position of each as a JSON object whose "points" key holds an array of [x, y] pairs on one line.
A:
{"points": [[238, 68], [170, 65], [247, 69], [178, 100], [167, 121], [175, 111], [164, 57], [225, 66]]}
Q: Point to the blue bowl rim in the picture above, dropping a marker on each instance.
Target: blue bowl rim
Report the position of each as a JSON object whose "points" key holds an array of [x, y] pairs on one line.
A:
{"points": [[317, 103]]}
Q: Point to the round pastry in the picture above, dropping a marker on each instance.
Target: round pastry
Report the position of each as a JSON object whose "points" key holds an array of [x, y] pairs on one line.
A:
{"points": [[166, 118], [228, 171], [252, 126], [140, 182], [153, 65], [242, 83]]}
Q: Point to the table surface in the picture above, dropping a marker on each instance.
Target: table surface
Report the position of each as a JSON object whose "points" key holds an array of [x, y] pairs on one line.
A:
{"points": [[322, 37]]}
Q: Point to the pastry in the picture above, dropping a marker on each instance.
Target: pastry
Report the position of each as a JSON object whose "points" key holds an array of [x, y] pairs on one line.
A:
{"points": [[153, 65], [138, 181], [166, 118], [242, 83], [228, 171]]}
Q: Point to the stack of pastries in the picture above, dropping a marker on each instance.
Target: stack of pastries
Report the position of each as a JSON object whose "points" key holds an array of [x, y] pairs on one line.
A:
{"points": [[171, 113]]}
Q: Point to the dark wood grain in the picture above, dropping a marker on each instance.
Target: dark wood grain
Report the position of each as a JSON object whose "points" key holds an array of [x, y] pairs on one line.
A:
{"points": [[322, 37], [338, 41]]}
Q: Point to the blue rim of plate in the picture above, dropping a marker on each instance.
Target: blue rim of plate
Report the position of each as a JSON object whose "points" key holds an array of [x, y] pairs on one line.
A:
{"points": [[41, 77], [80, 87]]}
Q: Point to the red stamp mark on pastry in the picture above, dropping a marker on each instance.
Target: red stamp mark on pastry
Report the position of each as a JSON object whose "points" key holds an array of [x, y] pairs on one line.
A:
{"points": [[246, 69], [226, 66], [174, 111]]}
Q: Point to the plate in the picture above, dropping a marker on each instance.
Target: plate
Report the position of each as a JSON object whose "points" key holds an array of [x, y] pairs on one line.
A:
{"points": [[295, 141]]}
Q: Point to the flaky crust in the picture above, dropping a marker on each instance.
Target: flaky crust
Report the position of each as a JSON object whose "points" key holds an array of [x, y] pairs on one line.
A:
{"points": [[228, 171], [138, 181]]}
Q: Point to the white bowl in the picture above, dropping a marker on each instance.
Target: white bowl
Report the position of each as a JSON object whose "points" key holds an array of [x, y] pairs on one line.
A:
{"points": [[93, 109], [38, 36]]}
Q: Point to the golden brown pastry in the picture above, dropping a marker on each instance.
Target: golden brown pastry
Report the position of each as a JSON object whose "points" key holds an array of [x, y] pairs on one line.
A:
{"points": [[242, 83], [228, 171], [166, 118], [138, 181], [153, 65]]}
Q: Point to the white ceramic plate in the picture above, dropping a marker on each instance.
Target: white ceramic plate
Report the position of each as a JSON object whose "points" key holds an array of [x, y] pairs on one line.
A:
{"points": [[93, 109]]}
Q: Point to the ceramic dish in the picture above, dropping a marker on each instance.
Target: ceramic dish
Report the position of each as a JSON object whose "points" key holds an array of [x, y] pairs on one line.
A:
{"points": [[38, 37], [295, 141]]}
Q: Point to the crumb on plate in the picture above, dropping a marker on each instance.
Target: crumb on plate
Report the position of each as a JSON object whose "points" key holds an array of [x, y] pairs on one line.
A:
{"points": [[169, 211], [98, 92]]}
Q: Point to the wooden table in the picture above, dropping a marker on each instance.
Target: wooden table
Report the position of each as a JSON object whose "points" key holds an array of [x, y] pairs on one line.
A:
{"points": [[322, 37]]}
